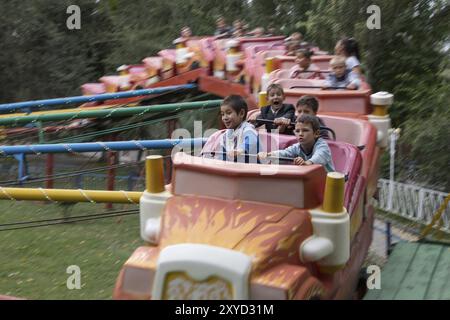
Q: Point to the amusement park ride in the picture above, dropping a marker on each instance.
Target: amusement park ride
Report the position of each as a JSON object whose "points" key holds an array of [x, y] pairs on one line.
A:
{"points": [[226, 230]]}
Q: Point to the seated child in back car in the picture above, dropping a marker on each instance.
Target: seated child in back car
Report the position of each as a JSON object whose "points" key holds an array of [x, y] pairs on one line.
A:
{"points": [[304, 68], [240, 139], [341, 78], [278, 113], [310, 149]]}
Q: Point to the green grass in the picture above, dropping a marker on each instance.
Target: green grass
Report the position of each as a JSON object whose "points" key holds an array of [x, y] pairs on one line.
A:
{"points": [[33, 261]]}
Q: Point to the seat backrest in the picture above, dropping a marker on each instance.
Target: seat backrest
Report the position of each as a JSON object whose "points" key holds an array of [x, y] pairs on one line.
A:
{"points": [[265, 47], [207, 48], [347, 101], [252, 114], [93, 88], [343, 154], [220, 51], [153, 62], [280, 74], [260, 61], [212, 144], [285, 62], [137, 69], [347, 159], [269, 41], [311, 84], [353, 131]]}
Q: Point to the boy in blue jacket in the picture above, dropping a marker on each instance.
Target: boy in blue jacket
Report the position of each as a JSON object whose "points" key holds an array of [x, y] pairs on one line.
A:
{"points": [[310, 149]]}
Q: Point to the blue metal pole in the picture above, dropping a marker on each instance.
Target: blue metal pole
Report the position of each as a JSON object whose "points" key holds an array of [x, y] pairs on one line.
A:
{"points": [[83, 99], [102, 146]]}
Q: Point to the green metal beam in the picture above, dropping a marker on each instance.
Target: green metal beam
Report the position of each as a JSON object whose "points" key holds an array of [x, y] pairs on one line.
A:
{"points": [[110, 113]]}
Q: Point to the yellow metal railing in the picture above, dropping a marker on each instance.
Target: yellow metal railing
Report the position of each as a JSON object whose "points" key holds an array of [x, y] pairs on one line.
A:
{"points": [[436, 217], [70, 195]]}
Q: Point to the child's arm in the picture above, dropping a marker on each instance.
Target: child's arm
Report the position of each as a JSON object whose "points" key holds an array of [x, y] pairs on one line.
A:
{"points": [[290, 152], [354, 80], [282, 123], [328, 82], [322, 155]]}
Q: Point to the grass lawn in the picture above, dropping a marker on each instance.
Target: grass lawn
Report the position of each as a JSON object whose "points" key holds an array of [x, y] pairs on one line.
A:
{"points": [[33, 261]]}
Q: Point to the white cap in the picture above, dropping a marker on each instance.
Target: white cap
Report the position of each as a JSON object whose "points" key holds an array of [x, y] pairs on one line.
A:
{"points": [[382, 98], [179, 40], [232, 43], [122, 67]]}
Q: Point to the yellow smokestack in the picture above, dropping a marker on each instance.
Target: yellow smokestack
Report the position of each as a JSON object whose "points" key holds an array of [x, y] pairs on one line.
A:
{"points": [[154, 174]]}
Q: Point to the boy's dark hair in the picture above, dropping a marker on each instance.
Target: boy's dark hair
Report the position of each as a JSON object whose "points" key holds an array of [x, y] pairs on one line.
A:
{"points": [[309, 101], [275, 86], [351, 47], [306, 53], [237, 103], [313, 120]]}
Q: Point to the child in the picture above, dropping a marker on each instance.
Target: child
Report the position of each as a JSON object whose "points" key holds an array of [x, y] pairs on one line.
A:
{"points": [[186, 32], [310, 149], [222, 30], [238, 29], [309, 105], [304, 69], [281, 114], [240, 138], [348, 48], [257, 32], [291, 48], [341, 77], [296, 37]]}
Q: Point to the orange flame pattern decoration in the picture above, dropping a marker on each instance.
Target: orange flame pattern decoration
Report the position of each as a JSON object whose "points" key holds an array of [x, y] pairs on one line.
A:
{"points": [[268, 233]]}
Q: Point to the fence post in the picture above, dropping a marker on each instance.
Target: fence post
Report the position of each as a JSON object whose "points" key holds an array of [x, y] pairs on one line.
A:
{"points": [[394, 135], [112, 160], [420, 204], [171, 126], [131, 175], [388, 238], [49, 164]]}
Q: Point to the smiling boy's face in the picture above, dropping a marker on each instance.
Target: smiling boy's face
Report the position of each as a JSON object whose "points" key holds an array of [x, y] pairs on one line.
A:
{"points": [[305, 133], [275, 98], [230, 118]]}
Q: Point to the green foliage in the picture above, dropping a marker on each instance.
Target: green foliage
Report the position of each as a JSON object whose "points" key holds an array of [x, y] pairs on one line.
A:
{"points": [[406, 58], [425, 147], [145, 27], [41, 57]]}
